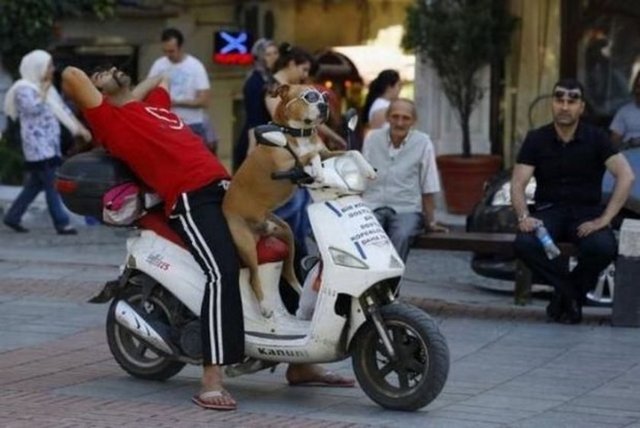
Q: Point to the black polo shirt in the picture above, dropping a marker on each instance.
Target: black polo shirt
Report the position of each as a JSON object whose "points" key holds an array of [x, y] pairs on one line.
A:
{"points": [[567, 172]]}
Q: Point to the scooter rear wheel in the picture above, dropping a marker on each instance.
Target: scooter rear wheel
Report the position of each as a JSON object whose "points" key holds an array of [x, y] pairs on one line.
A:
{"points": [[133, 355], [417, 375]]}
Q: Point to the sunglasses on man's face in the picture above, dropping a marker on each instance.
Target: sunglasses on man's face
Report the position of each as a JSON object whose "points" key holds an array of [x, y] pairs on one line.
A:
{"points": [[571, 94]]}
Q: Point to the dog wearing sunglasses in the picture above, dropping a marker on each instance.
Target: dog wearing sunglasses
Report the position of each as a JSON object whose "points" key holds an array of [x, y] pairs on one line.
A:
{"points": [[253, 195]]}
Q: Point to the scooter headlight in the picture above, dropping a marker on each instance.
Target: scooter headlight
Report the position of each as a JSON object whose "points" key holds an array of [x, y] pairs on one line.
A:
{"points": [[503, 196], [348, 170], [342, 258]]}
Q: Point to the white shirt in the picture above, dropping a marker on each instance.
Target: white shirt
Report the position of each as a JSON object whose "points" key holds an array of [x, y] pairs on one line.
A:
{"points": [[378, 104], [404, 173], [187, 78]]}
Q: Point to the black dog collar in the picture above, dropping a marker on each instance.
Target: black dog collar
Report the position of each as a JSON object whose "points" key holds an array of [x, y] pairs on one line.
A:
{"points": [[296, 132]]}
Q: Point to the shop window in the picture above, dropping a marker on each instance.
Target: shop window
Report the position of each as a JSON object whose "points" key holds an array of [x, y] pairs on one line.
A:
{"points": [[608, 54]]}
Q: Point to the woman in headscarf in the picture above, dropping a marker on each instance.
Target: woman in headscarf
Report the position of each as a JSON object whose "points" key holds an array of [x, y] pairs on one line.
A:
{"points": [[34, 101], [265, 54]]}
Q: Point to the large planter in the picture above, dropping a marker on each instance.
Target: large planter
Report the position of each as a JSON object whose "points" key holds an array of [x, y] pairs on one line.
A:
{"points": [[463, 179]]}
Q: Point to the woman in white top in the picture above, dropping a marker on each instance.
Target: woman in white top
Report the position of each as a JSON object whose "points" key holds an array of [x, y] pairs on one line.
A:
{"points": [[382, 90]]}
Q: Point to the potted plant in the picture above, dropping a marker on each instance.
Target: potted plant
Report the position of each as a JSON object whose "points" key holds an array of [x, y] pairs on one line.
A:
{"points": [[458, 38]]}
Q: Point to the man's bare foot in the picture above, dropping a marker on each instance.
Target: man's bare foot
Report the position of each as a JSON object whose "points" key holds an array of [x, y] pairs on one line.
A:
{"points": [[215, 400], [212, 394]]}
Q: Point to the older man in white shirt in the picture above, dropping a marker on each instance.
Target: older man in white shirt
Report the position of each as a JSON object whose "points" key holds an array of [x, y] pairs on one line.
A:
{"points": [[402, 197]]}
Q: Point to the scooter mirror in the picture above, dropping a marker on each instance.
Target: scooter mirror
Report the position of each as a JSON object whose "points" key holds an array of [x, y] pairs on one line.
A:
{"points": [[275, 137], [352, 119], [270, 135]]}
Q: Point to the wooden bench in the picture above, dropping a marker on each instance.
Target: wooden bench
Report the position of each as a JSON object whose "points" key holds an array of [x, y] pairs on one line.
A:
{"points": [[488, 243]]}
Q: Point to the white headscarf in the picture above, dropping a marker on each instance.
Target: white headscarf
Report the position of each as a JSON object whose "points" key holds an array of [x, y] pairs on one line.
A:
{"points": [[33, 68]]}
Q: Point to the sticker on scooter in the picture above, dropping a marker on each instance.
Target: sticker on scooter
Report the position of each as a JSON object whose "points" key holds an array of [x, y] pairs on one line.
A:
{"points": [[157, 261], [275, 352]]}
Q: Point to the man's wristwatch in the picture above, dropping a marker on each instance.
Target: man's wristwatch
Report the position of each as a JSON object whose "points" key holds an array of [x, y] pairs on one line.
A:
{"points": [[522, 217]]}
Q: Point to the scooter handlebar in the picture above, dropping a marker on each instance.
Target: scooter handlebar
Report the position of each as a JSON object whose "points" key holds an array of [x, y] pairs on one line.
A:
{"points": [[296, 175]]}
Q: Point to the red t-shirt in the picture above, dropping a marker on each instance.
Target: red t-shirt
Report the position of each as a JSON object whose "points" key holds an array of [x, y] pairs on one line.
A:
{"points": [[159, 148]]}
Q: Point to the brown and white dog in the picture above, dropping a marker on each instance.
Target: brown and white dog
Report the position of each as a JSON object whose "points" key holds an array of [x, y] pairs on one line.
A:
{"points": [[253, 195]]}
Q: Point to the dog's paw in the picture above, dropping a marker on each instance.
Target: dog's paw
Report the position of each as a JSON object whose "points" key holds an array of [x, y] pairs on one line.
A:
{"points": [[266, 310], [315, 173]]}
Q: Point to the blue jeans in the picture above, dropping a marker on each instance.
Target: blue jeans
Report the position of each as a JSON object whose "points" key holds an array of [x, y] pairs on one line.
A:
{"points": [[38, 179], [198, 129], [401, 228]]}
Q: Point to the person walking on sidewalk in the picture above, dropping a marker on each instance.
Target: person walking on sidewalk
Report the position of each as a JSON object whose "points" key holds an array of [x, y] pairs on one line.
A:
{"points": [[34, 101], [168, 157], [568, 158], [402, 197]]}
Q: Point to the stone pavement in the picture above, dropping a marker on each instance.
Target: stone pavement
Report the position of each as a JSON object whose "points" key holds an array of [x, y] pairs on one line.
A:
{"points": [[509, 368]]}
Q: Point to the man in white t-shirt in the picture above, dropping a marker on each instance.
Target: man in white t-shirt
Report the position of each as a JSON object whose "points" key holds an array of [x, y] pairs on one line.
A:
{"points": [[189, 88]]}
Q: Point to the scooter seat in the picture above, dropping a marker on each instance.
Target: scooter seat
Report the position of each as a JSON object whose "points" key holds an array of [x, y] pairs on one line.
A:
{"points": [[270, 249]]}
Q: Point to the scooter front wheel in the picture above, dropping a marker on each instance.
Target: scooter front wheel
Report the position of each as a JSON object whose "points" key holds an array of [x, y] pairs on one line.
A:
{"points": [[420, 368], [132, 354]]}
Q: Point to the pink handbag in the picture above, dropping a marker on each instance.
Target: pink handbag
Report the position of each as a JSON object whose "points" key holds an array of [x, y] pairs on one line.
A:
{"points": [[122, 204]]}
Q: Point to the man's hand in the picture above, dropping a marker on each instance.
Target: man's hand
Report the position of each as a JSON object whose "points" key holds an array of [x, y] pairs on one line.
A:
{"points": [[435, 227], [46, 85], [588, 227], [84, 134], [528, 224]]}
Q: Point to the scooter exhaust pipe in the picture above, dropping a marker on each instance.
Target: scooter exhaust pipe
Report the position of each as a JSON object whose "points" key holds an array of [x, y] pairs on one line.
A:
{"points": [[129, 318]]}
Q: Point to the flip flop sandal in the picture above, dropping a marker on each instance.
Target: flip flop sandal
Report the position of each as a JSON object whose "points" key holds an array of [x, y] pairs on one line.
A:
{"points": [[202, 400], [327, 379]]}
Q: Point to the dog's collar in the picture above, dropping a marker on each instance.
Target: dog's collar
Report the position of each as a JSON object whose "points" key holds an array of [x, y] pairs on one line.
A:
{"points": [[296, 132]]}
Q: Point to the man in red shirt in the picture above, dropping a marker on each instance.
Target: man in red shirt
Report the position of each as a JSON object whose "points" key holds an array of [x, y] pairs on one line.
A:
{"points": [[170, 159]]}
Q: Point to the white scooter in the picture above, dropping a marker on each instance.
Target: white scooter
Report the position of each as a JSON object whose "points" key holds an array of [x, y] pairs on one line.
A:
{"points": [[400, 358]]}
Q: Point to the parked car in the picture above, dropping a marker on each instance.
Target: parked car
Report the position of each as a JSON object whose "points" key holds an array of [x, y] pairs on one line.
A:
{"points": [[495, 214]]}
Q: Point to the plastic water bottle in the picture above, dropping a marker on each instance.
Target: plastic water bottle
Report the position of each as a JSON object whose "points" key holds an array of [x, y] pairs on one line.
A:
{"points": [[550, 247]]}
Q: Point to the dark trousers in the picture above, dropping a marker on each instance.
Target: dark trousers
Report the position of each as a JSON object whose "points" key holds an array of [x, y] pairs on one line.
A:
{"points": [[595, 251], [198, 219]]}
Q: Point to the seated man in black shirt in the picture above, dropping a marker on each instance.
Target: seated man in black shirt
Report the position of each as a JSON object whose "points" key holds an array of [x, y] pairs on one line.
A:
{"points": [[568, 158]]}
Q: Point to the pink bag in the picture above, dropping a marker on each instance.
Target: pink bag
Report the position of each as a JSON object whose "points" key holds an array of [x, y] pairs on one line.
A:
{"points": [[122, 204]]}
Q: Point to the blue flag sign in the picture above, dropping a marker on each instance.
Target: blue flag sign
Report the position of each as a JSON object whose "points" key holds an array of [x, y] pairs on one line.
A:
{"points": [[232, 48]]}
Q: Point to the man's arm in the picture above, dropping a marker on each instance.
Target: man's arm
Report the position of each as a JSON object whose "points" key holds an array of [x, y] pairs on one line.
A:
{"points": [[200, 101], [143, 88], [623, 174], [77, 85], [338, 142], [520, 177], [429, 213], [616, 138]]}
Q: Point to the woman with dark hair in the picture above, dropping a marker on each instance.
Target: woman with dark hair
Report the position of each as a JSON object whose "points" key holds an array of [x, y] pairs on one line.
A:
{"points": [[382, 90], [265, 54]]}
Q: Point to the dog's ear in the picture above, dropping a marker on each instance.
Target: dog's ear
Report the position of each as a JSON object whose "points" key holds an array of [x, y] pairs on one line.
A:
{"points": [[281, 91]]}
